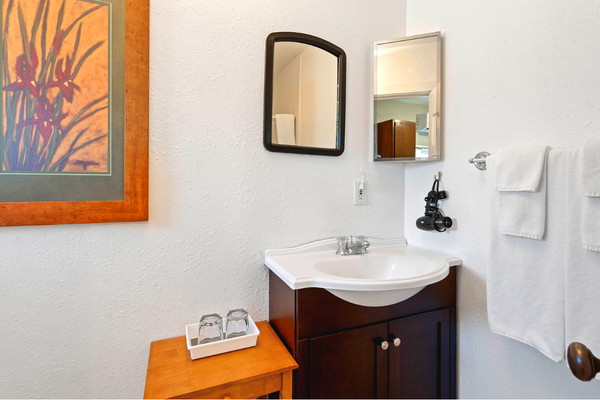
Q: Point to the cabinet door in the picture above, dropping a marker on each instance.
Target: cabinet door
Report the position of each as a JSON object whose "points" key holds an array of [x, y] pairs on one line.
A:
{"points": [[405, 139], [420, 366], [349, 364], [385, 139]]}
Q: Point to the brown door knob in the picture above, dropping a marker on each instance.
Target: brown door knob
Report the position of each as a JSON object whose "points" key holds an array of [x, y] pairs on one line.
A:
{"points": [[582, 362]]}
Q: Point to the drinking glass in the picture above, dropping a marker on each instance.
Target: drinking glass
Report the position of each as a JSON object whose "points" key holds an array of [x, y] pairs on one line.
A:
{"points": [[211, 329], [237, 323]]}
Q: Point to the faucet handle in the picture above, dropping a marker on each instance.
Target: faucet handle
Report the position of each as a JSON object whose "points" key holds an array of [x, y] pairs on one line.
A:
{"points": [[362, 240], [343, 241], [343, 247]]}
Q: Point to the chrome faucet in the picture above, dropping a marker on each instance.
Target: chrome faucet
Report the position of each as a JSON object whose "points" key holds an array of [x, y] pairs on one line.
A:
{"points": [[347, 246]]}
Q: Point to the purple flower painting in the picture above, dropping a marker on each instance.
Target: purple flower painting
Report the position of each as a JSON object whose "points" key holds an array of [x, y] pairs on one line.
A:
{"points": [[55, 87]]}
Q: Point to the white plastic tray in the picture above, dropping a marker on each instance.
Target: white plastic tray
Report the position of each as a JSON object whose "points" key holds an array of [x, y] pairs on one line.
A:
{"points": [[222, 346]]}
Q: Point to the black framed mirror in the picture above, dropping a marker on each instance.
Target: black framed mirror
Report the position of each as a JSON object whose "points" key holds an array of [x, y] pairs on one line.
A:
{"points": [[305, 95]]}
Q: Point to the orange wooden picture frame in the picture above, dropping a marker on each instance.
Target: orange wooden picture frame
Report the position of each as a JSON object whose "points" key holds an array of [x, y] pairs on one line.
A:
{"points": [[134, 207]]}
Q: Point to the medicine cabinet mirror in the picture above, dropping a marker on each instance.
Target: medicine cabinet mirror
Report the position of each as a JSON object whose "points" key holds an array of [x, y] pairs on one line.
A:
{"points": [[407, 98], [305, 91]]}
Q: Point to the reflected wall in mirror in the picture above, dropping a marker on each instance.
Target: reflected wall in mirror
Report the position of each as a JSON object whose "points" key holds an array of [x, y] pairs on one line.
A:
{"points": [[304, 95], [407, 99]]}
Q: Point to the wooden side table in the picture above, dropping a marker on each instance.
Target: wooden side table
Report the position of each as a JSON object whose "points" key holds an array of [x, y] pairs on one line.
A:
{"points": [[242, 374]]}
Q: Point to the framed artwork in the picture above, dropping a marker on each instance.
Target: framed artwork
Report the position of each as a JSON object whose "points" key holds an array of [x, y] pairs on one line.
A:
{"points": [[75, 90]]}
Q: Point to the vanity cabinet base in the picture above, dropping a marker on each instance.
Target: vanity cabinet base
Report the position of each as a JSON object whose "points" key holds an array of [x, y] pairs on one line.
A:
{"points": [[338, 344]]}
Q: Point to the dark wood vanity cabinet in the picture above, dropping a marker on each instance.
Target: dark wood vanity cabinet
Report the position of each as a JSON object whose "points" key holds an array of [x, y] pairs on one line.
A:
{"points": [[338, 344], [353, 355], [420, 366]]}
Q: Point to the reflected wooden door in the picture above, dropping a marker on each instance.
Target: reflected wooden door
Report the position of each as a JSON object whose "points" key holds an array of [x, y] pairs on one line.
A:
{"points": [[385, 139], [405, 139]]}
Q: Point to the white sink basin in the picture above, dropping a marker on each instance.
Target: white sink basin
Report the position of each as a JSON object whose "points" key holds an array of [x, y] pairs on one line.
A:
{"points": [[391, 272]]}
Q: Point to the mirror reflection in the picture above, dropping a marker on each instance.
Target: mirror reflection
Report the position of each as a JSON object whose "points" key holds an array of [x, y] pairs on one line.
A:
{"points": [[407, 66], [406, 98], [403, 127], [305, 96]]}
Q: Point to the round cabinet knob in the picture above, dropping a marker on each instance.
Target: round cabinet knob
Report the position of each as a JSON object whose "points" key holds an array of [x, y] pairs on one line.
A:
{"points": [[378, 156], [582, 362], [397, 342], [385, 345]]}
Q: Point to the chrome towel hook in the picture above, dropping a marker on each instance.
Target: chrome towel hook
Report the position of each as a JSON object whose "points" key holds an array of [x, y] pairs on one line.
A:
{"points": [[479, 160]]}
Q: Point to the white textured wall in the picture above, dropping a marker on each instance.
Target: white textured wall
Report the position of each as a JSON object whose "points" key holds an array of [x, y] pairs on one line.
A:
{"points": [[516, 73], [79, 305]]}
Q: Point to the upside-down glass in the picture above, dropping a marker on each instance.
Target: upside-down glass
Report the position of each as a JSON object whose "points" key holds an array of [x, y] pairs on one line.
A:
{"points": [[211, 329], [237, 323]]}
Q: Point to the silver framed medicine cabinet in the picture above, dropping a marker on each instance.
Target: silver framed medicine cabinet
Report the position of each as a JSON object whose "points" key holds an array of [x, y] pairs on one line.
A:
{"points": [[407, 99]]}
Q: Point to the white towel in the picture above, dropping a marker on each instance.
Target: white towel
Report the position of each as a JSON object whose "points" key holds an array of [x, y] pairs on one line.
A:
{"points": [[520, 169], [590, 227], [591, 168], [521, 181], [525, 288], [582, 271], [286, 129], [590, 179]]}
